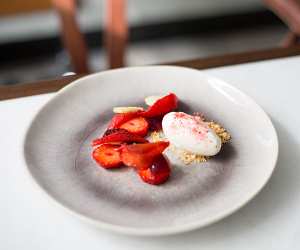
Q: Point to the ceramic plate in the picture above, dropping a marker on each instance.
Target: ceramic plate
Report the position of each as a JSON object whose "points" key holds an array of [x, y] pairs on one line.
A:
{"points": [[57, 151]]}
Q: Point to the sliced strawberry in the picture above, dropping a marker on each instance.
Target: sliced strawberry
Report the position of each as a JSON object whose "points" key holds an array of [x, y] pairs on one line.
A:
{"points": [[158, 173], [141, 156], [107, 156], [137, 126], [119, 136], [119, 119], [162, 106], [113, 131], [155, 123]]}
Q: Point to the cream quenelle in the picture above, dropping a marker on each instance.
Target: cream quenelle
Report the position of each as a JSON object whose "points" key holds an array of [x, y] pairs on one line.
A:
{"points": [[190, 133]]}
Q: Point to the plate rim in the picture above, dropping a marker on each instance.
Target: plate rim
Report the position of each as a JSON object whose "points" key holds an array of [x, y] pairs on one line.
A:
{"points": [[141, 231]]}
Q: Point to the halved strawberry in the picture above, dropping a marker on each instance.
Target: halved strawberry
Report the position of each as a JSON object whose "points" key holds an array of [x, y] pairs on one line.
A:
{"points": [[119, 119], [137, 126], [155, 123], [158, 173], [162, 106], [118, 136], [107, 156], [113, 131], [141, 156]]}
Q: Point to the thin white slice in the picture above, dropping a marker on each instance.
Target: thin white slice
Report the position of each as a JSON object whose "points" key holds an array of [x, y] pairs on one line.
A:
{"points": [[150, 100], [121, 110]]}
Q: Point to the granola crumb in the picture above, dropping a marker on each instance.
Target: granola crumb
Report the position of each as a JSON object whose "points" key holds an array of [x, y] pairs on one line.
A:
{"points": [[220, 131], [187, 157], [156, 136]]}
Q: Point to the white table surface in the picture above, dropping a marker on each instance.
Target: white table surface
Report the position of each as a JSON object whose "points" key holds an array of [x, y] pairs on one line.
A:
{"points": [[271, 221]]}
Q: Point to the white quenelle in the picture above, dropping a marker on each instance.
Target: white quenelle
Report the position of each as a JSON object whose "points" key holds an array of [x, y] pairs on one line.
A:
{"points": [[190, 133]]}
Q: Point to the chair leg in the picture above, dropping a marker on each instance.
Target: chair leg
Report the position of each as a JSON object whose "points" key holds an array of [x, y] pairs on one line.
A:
{"points": [[289, 12], [290, 39], [116, 32], [72, 37]]}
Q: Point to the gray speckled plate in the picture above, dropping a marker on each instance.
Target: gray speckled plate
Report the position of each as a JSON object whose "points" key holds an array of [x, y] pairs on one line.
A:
{"points": [[57, 151]]}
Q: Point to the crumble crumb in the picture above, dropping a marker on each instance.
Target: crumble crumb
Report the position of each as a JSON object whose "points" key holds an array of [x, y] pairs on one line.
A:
{"points": [[156, 136], [220, 131], [188, 157]]}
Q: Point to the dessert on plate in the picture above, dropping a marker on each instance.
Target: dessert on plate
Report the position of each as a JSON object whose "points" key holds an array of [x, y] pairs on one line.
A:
{"points": [[137, 138]]}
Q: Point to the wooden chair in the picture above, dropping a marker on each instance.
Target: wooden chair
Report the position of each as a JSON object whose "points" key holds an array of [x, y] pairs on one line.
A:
{"points": [[72, 37], [116, 28], [14, 7], [115, 38], [289, 12]]}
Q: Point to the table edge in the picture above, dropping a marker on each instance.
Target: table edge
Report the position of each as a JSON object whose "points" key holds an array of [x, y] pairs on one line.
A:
{"points": [[48, 86]]}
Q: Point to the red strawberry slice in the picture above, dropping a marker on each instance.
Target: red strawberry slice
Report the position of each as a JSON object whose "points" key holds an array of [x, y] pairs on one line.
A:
{"points": [[118, 136], [155, 123], [119, 119], [107, 156], [141, 156], [162, 106], [158, 173], [137, 126], [112, 131]]}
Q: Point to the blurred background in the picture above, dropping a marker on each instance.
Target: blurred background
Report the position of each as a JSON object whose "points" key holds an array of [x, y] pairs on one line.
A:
{"points": [[33, 47]]}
